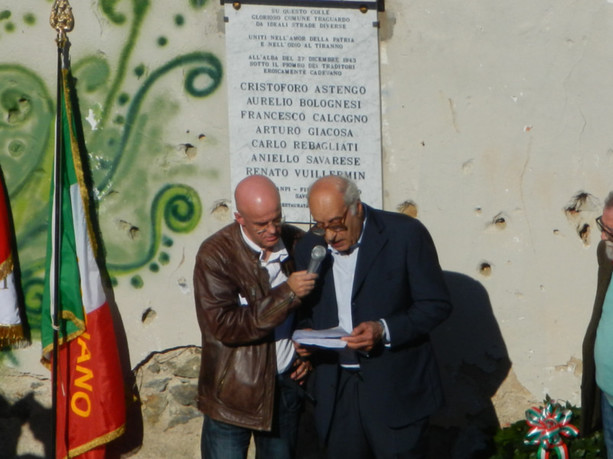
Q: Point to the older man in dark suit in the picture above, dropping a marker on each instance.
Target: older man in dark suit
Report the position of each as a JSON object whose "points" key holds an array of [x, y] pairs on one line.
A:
{"points": [[380, 281]]}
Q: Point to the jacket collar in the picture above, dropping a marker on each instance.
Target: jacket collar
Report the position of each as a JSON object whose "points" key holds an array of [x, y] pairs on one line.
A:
{"points": [[278, 252], [372, 241]]}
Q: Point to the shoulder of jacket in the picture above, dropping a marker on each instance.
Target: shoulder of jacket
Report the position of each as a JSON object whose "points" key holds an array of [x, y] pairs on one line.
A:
{"points": [[308, 239], [291, 233], [223, 242], [601, 254], [395, 219]]}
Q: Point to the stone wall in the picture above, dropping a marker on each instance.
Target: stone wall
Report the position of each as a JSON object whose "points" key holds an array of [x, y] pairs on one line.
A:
{"points": [[163, 420]]}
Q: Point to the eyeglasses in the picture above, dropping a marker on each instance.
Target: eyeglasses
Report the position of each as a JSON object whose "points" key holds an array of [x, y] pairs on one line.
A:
{"points": [[260, 228], [604, 229], [336, 225]]}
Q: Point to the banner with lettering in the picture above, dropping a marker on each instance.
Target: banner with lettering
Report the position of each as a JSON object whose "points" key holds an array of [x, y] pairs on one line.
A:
{"points": [[90, 409], [304, 96], [11, 329]]}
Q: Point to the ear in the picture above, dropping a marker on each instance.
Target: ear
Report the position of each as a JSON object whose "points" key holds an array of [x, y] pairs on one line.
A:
{"points": [[239, 218], [359, 209]]}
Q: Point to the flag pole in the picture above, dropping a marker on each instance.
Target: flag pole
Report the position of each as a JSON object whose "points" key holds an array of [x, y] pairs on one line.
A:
{"points": [[62, 21]]}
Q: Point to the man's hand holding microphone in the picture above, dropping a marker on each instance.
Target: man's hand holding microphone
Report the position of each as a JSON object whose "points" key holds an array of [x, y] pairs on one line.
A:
{"points": [[302, 282]]}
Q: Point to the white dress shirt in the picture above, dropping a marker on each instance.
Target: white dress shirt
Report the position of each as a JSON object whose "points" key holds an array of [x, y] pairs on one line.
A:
{"points": [[283, 332], [343, 270]]}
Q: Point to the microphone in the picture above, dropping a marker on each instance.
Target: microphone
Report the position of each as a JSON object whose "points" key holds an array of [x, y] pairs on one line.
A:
{"points": [[317, 255]]}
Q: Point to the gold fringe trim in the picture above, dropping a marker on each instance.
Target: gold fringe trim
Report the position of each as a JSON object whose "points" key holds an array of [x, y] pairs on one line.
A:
{"points": [[12, 335], [63, 339], [102, 440], [76, 159], [6, 267], [80, 324]]}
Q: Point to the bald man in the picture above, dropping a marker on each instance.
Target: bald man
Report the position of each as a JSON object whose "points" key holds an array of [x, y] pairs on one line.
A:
{"points": [[382, 283], [245, 294]]}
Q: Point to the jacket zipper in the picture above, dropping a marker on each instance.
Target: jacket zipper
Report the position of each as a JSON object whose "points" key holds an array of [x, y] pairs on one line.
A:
{"points": [[222, 379]]}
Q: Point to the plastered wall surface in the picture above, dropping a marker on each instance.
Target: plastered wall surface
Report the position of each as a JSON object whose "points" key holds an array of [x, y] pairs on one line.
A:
{"points": [[496, 132], [500, 112]]}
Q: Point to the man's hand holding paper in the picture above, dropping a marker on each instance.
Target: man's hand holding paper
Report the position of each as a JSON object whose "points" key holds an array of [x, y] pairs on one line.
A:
{"points": [[329, 338]]}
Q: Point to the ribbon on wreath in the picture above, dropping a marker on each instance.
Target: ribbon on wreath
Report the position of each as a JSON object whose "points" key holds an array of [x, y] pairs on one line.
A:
{"points": [[548, 425]]}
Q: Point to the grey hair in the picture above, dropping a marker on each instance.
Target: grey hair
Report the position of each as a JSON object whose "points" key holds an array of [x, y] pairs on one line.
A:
{"points": [[608, 202], [349, 190], [351, 194]]}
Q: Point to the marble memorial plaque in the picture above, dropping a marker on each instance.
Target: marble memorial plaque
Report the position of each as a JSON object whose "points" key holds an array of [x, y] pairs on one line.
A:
{"points": [[304, 98]]}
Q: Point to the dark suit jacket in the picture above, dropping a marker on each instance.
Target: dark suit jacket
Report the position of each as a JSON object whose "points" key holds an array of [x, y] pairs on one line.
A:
{"points": [[590, 393], [397, 278]]}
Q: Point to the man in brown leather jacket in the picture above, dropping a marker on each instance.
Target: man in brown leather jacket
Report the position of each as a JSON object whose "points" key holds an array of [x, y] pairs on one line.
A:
{"points": [[245, 295]]}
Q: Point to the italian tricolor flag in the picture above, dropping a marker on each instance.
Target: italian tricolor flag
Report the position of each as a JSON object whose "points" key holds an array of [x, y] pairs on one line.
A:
{"points": [[90, 408], [11, 330]]}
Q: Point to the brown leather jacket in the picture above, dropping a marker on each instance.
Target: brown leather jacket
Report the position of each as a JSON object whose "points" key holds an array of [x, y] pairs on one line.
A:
{"points": [[238, 366]]}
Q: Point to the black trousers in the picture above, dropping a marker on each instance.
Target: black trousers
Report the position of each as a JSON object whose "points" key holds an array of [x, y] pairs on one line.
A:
{"points": [[354, 435]]}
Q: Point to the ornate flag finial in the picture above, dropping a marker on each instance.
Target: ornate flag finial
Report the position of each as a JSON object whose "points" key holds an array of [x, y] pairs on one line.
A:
{"points": [[61, 19]]}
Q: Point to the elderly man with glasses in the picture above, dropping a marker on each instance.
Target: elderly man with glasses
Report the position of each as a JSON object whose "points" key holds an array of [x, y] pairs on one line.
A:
{"points": [[597, 378], [246, 294], [382, 283]]}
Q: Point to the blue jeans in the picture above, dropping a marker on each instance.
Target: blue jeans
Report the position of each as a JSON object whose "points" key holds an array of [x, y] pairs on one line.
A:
{"points": [[226, 441], [607, 424]]}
